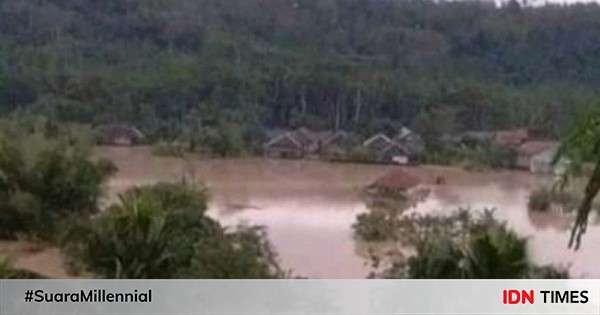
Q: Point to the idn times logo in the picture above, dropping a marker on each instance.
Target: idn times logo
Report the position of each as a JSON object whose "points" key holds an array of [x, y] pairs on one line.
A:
{"points": [[513, 296]]}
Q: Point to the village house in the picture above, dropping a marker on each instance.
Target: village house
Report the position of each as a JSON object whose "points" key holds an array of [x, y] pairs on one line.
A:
{"points": [[284, 145], [516, 137], [396, 181], [511, 138], [306, 143], [303, 142], [119, 135], [386, 150], [308, 139], [538, 157], [544, 163], [378, 142], [532, 149], [410, 141]]}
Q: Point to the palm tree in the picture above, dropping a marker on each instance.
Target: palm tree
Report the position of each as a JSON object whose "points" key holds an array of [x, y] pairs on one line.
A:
{"points": [[469, 248], [496, 253], [162, 231]]}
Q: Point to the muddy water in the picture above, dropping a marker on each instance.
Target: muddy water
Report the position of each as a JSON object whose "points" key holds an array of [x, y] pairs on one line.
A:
{"points": [[308, 207]]}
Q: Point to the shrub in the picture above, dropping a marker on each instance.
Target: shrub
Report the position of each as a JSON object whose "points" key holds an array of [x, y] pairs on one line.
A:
{"points": [[245, 253], [46, 175], [7, 271], [360, 154], [540, 199], [161, 231], [375, 226], [463, 246], [480, 156]]}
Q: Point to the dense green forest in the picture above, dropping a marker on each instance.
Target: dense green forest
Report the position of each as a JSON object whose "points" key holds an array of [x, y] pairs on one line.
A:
{"points": [[244, 66]]}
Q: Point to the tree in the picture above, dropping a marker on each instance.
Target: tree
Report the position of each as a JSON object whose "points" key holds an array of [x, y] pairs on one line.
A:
{"points": [[8, 271], [3, 79], [584, 145], [332, 64], [463, 246], [46, 175], [435, 122], [162, 231]]}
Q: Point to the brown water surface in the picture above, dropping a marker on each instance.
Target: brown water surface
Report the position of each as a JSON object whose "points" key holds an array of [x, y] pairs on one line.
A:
{"points": [[308, 207]]}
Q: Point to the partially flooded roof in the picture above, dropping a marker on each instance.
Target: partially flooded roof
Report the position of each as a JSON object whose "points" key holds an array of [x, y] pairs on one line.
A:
{"points": [[397, 179]]}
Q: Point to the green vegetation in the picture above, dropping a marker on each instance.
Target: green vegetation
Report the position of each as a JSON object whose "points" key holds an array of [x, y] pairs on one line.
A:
{"points": [[184, 69], [46, 176], [162, 231], [213, 76], [49, 190], [376, 226], [482, 156], [543, 198], [464, 246], [582, 145], [540, 199], [384, 220], [7, 271], [360, 154]]}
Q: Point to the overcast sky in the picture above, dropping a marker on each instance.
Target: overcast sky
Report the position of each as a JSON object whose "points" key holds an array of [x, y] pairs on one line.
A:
{"points": [[542, 2], [561, 1]]}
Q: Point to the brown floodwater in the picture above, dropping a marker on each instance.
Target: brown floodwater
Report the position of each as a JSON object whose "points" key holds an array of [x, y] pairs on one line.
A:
{"points": [[308, 207]]}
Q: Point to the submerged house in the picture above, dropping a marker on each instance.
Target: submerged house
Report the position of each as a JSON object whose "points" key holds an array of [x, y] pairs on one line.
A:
{"points": [[512, 138], [410, 141], [284, 145], [386, 150], [336, 145], [303, 142], [308, 139], [396, 181], [378, 142], [539, 157], [119, 135]]}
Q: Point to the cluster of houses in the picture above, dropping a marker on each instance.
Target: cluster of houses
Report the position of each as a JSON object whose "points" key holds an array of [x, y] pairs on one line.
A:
{"points": [[533, 151], [402, 148]]}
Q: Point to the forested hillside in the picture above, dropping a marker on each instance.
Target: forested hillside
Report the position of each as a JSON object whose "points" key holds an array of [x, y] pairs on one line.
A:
{"points": [[170, 66]]}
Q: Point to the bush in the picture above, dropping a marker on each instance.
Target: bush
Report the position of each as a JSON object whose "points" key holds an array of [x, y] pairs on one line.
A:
{"points": [[47, 175], [375, 226], [7, 271], [487, 156], [360, 154], [245, 253], [481, 156], [162, 231], [463, 246], [540, 199]]}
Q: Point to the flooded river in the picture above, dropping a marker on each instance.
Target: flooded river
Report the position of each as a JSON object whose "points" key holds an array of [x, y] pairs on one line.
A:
{"points": [[308, 207]]}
